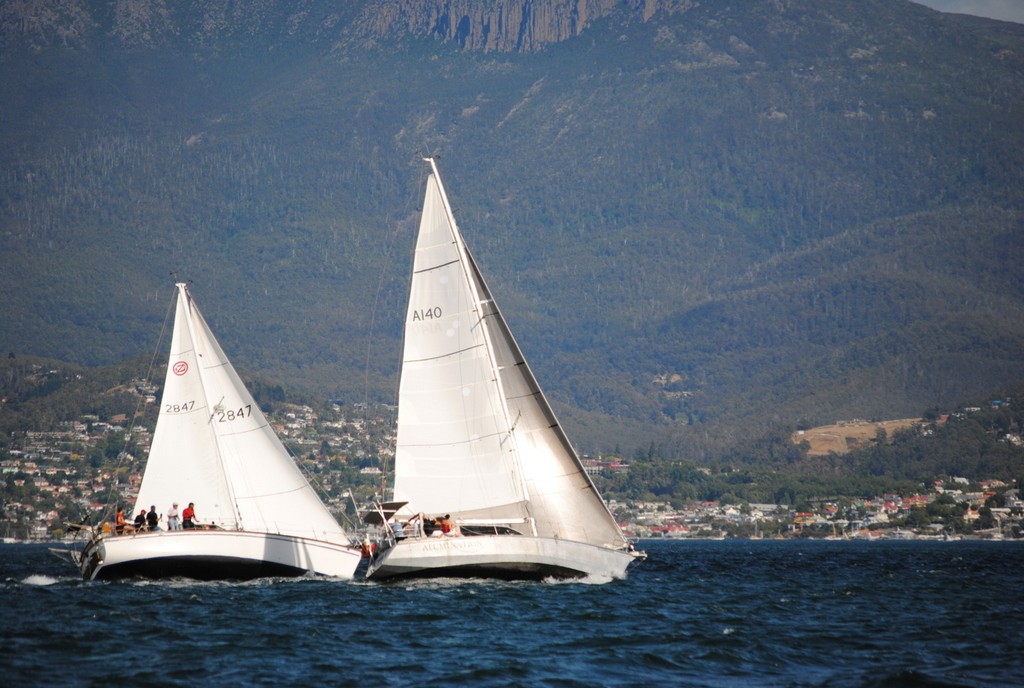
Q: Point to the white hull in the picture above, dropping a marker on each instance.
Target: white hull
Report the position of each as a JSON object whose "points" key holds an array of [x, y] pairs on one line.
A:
{"points": [[498, 556], [215, 555]]}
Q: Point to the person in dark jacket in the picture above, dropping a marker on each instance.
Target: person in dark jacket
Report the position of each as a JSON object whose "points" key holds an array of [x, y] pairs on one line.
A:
{"points": [[153, 519], [140, 522]]}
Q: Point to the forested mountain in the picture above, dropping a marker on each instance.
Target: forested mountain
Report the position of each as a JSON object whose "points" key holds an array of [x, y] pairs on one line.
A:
{"points": [[702, 220]]}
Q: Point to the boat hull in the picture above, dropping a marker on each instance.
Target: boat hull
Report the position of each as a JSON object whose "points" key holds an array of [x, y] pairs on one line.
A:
{"points": [[497, 556], [215, 555]]}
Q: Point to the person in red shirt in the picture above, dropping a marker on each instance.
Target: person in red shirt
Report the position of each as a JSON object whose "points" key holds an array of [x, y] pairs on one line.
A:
{"points": [[188, 516]]}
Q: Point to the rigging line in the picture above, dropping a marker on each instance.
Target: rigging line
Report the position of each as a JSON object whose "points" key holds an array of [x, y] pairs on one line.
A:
{"points": [[445, 355], [107, 513], [276, 493], [392, 238], [437, 267], [388, 246], [462, 443]]}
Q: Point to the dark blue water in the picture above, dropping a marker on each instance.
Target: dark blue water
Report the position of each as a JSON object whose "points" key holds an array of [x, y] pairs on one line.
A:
{"points": [[703, 613]]}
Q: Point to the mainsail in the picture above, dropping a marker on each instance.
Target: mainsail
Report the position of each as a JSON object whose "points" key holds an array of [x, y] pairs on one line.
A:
{"points": [[476, 436]]}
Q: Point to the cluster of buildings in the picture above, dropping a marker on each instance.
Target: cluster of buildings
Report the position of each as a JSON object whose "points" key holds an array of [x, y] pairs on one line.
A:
{"points": [[79, 471], [963, 513]]}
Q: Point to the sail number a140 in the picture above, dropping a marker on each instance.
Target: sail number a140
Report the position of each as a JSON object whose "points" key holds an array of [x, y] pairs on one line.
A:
{"points": [[426, 314]]}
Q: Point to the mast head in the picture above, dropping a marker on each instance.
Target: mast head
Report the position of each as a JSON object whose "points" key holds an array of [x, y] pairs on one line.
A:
{"points": [[432, 161]]}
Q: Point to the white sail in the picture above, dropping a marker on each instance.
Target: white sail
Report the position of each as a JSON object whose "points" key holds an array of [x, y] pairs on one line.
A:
{"points": [[453, 451], [214, 447], [476, 436]]}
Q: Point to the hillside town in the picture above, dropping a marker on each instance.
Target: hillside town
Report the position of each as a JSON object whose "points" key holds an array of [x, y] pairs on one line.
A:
{"points": [[78, 471]]}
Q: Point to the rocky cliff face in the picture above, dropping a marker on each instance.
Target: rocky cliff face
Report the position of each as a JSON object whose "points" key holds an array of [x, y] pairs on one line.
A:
{"points": [[495, 25], [504, 25]]}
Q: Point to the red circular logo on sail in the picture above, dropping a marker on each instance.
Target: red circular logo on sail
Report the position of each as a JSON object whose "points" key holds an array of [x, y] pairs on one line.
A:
{"points": [[180, 368]]}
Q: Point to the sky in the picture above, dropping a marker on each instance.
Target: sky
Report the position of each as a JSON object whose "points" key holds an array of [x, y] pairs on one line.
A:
{"points": [[1007, 10]]}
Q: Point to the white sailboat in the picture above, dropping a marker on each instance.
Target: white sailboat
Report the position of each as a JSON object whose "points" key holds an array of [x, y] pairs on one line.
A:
{"points": [[213, 447], [478, 441]]}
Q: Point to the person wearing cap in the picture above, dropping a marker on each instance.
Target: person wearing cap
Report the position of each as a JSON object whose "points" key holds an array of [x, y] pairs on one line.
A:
{"points": [[172, 518]]}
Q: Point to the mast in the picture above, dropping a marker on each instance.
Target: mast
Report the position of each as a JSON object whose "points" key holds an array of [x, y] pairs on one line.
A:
{"points": [[201, 372], [471, 278]]}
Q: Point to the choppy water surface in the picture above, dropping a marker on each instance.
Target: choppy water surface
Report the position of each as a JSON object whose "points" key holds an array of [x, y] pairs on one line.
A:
{"points": [[727, 613]]}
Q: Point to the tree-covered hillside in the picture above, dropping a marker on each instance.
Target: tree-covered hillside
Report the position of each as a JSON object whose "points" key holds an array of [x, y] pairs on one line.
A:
{"points": [[700, 224]]}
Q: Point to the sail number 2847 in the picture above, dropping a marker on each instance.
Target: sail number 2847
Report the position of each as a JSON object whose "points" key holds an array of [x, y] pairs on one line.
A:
{"points": [[220, 414], [228, 415]]}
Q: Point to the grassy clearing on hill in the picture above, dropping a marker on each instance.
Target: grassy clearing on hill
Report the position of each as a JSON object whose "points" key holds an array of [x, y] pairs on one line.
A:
{"points": [[843, 436]]}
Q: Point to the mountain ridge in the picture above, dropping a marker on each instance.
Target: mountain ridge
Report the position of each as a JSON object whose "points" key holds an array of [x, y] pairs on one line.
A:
{"points": [[779, 212], [503, 26]]}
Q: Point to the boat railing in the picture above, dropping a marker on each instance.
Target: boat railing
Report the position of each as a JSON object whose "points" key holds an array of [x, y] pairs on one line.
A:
{"points": [[420, 527], [493, 529]]}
